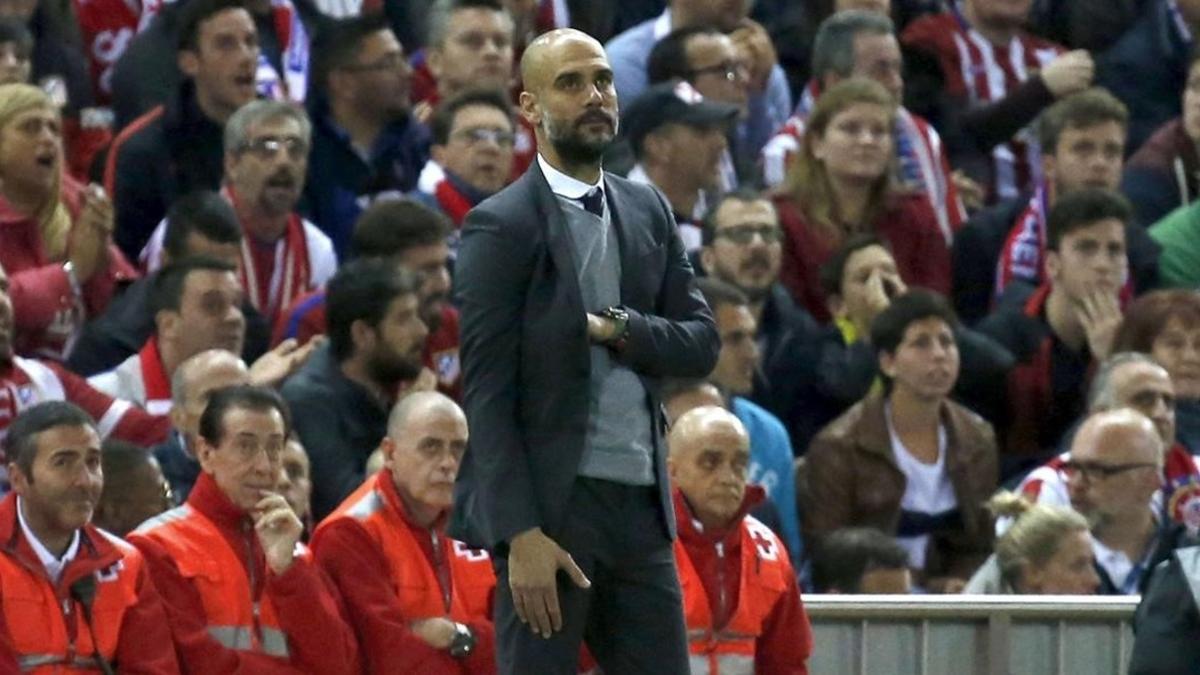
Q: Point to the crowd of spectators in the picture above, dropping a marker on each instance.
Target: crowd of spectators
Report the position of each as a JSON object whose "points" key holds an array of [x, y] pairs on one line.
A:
{"points": [[952, 250]]}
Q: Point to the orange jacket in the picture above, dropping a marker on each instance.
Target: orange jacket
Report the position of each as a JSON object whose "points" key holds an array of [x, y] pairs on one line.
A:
{"points": [[228, 612], [388, 570], [43, 629]]}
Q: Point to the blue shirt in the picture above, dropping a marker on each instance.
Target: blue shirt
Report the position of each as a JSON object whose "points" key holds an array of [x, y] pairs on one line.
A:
{"points": [[771, 467]]}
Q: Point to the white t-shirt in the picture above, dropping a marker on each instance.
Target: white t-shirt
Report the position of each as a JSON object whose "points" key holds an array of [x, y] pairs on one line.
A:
{"points": [[928, 489]]}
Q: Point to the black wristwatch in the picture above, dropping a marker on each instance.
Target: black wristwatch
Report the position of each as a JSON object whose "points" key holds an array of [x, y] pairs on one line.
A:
{"points": [[620, 317], [463, 643]]}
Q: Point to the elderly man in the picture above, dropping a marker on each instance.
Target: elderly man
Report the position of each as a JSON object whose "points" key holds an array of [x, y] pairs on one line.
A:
{"points": [[242, 594], [741, 600], [71, 596], [420, 600]]}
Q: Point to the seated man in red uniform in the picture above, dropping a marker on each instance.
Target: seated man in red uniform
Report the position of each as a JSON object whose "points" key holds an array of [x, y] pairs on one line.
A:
{"points": [[242, 595], [740, 596], [72, 597], [419, 600]]}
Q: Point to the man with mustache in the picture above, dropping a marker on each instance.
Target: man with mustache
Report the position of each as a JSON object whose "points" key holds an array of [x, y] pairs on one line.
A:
{"points": [[71, 595], [341, 397], [741, 599], [242, 593], [576, 299], [678, 138], [420, 600]]}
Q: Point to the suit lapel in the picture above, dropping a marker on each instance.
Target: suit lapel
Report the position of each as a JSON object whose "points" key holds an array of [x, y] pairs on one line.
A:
{"points": [[614, 194], [554, 224]]}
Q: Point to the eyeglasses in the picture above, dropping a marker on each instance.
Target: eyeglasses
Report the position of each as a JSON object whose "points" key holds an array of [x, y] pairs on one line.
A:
{"points": [[730, 70], [1089, 471], [389, 61], [267, 147], [248, 448], [476, 135], [744, 234]]}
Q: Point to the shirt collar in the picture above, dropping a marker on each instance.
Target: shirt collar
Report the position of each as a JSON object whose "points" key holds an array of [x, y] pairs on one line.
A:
{"points": [[54, 566], [565, 186]]}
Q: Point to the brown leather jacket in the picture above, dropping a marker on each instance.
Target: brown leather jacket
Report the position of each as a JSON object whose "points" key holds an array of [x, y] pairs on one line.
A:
{"points": [[851, 479]]}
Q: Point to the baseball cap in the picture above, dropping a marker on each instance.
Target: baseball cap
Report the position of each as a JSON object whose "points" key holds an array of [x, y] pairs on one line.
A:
{"points": [[675, 102]]}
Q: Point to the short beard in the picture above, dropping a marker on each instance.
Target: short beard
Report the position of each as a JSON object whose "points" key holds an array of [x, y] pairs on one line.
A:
{"points": [[388, 369], [572, 147]]}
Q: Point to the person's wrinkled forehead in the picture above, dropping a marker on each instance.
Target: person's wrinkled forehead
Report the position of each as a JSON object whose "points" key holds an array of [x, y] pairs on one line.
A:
{"points": [[558, 52]]}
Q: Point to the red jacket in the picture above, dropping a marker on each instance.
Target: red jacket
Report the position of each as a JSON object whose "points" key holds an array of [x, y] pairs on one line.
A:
{"points": [[303, 602], [43, 303], [364, 546], [909, 227], [38, 618], [784, 641]]}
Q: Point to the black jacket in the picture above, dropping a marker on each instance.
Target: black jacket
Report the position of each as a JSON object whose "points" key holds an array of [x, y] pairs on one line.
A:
{"points": [[1167, 623], [525, 353]]}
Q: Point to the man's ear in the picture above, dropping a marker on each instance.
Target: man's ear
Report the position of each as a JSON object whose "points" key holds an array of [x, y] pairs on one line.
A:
{"points": [[1053, 264], [178, 416], [19, 480], [837, 308], [708, 258], [205, 454], [188, 62], [387, 448], [166, 323], [438, 154], [887, 363], [362, 335], [531, 109], [433, 60], [1049, 165]]}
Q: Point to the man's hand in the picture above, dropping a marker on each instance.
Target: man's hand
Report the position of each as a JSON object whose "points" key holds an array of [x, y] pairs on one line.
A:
{"points": [[1100, 314], [533, 564], [970, 192], [436, 632], [286, 358], [600, 329], [1069, 73], [278, 530], [754, 45], [881, 289]]}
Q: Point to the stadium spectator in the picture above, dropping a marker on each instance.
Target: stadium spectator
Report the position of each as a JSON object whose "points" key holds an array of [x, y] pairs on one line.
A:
{"points": [[770, 97], [1047, 549], [71, 593], [197, 306], [473, 140], [1082, 143], [678, 138], [859, 43], [341, 397], [910, 462], [1062, 329], [420, 600], [282, 256], [16, 52], [200, 223], [981, 79], [1176, 234], [1116, 460], [27, 382], [1164, 173], [414, 238], [738, 361], [840, 184], [134, 488], [295, 482], [192, 384], [1168, 617], [366, 144], [861, 560], [56, 239], [241, 591], [741, 600], [1166, 325], [176, 147]]}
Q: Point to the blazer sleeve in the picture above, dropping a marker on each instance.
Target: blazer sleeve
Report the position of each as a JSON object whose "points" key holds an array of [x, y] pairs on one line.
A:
{"points": [[492, 275], [682, 339]]}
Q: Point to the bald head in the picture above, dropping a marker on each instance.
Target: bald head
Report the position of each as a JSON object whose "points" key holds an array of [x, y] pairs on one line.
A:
{"points": [[422, 405], [706, 425], [537, 63], [1118, 436], [220, 362]]}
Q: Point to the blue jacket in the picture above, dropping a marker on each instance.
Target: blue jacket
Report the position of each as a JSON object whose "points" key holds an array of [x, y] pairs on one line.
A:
{"points": [[771, 467]]}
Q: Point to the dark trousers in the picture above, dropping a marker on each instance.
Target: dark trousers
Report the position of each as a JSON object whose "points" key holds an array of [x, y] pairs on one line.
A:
{"points": [[631, 617]]}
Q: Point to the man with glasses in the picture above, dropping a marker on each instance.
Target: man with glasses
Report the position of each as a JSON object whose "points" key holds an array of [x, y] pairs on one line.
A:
{"points": [[366, 143], [1116, 460], [242, 593], [420, 600], [473, 139]]}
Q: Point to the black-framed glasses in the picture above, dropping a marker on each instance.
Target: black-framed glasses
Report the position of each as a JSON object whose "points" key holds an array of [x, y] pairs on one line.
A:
{"points": [[1092, 470], [266, 147], [744, 234], [730, 70], [475, 135]]}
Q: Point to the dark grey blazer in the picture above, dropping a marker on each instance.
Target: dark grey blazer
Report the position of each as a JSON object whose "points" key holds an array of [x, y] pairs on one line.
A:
{"points": [[524, 348]]}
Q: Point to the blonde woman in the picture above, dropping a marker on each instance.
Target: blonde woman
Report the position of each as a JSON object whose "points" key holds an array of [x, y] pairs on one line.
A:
{"points": [[55, 234], [840, 185], [1046, 550]]}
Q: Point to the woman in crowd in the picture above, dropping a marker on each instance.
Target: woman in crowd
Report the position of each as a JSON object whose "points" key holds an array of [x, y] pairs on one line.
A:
{"points": [[909, 461], [840, 184], [1046, 550], [1166, 325], [55, 234]]}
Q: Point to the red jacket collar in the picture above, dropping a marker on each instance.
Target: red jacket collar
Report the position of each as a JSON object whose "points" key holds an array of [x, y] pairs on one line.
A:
{"points": [[690, 531], [1036, 303], [207, 498], [96, 551]]}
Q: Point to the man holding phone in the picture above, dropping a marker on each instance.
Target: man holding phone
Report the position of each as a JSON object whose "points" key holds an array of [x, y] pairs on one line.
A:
{"points": [[242, 594]]}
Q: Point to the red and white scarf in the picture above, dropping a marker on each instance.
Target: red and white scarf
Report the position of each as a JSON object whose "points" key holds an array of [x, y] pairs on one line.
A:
{"points": [[291, 275], [1024, 252]]}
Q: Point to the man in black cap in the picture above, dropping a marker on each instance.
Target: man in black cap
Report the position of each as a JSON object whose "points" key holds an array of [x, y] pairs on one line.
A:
{"points": [[679, 140]]}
